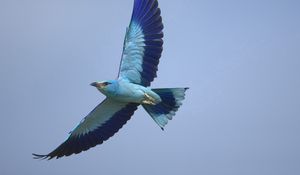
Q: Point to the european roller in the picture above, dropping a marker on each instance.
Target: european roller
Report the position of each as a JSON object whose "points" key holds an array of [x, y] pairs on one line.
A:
{"points": [[141, 53]]}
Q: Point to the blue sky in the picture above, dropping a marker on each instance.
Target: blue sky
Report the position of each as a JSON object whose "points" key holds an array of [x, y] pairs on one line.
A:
{"points": [[240, 59]]}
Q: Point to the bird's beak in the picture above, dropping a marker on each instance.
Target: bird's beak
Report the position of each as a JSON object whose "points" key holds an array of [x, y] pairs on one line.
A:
{"points": [[97, 85], [94, 84]]}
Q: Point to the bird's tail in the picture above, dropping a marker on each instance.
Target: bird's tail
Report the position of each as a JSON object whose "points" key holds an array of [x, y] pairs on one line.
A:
{"points": [[165, 110]]}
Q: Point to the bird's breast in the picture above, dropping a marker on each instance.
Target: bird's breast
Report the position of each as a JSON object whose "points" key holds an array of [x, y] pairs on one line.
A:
{"points": [[128, 92]]}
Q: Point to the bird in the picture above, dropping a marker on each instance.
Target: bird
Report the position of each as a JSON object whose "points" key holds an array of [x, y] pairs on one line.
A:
{"points": [[142, 49]]}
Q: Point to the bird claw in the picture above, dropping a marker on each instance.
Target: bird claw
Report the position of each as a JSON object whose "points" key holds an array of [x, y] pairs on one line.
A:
{"points": [[148, 100]]}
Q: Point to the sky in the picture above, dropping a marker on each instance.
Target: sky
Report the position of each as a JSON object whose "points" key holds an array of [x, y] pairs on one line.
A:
{"points": [[241, 60]]}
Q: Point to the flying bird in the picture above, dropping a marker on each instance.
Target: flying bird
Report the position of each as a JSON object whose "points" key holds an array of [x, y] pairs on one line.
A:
{"points": [[142, 50]]}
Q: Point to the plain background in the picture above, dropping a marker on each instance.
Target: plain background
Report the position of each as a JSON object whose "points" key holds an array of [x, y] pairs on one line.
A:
{"points": [[241, 60]]}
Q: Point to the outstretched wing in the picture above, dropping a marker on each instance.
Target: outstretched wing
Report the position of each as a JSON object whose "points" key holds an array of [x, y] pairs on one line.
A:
{"points": [[143, 43], [99, 125]]}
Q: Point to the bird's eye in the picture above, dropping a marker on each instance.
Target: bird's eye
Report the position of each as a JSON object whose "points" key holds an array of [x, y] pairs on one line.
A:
{"points": [[106, 83]]}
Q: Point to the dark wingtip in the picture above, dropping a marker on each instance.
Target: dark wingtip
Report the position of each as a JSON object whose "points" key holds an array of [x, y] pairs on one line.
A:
{"points": [[162, 128], [41, 157], [186, 88]]}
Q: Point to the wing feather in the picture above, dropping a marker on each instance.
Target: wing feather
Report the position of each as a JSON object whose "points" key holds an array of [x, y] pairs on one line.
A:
{"points": [[143, 43], [99, 125]]}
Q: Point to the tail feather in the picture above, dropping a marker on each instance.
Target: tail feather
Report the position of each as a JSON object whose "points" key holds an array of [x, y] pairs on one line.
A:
{"points": [[165, 110]]}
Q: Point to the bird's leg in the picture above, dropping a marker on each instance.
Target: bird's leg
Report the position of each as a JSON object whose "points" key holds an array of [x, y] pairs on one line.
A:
{"points": [[148, 100]]}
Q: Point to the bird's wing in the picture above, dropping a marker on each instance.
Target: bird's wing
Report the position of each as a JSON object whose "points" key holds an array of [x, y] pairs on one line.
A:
{"points": [[99, 125], [143, 43]]}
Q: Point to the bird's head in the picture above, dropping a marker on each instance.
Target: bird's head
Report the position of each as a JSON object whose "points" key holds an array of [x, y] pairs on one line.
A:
{"points": [[106, 87]]}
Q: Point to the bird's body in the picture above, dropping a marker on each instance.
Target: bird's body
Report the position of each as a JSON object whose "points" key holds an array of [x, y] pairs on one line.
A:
{"points": [[124, 91], [141, 53]]}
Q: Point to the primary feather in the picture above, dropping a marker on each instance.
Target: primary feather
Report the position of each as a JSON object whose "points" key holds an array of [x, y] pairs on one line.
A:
{"points": [[143, 43], [99, 125]]}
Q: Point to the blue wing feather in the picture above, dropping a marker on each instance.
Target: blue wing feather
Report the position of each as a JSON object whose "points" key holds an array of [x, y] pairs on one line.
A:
{"points": [[143, 43], [94, 129]]}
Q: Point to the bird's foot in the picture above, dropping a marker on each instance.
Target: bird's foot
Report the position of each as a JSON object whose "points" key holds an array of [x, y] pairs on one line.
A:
{"points": [[148, 100]]}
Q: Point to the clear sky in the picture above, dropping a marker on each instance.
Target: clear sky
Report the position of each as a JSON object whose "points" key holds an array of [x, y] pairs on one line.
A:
{"points": [[241, 60]]}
